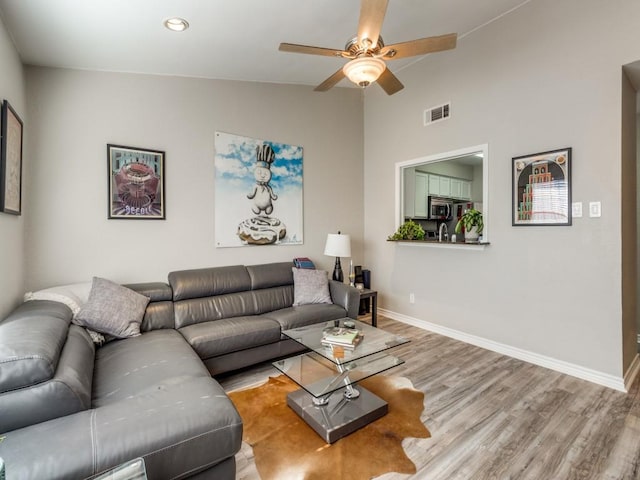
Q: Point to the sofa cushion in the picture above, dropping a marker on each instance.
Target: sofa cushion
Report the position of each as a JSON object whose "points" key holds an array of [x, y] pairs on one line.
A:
{"points": [[67, 392], [158, 315], [270, 275], [183, 426], [310, 286], [274, 298], [205, 282], [210, 339], [112, 309], [197, 310], [31, 340], [156, 291], [125, 368], [294, 317]]}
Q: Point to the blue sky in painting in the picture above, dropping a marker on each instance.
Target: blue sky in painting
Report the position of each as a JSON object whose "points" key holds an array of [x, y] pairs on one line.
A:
{"points": [[235, 162]]}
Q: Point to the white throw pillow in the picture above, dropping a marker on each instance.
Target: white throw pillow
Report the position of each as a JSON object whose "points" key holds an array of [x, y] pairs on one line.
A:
{"points": [[310, 286], [73, 295]]}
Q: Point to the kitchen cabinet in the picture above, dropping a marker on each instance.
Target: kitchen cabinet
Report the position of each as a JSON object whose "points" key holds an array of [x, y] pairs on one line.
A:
{"points": [[415, 193], [445, 187], [421, 192], [434, 185], [448, 187], [409, 192], [456, 188], [465, 193], [460, 189], [439, 186]]}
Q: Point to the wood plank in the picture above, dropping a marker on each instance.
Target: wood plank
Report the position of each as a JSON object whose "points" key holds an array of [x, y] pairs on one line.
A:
{"points": [[494, 417]]}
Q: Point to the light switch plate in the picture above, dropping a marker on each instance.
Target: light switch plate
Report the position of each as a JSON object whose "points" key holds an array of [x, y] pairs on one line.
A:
{"points": [[576, 209], [595, 209]]}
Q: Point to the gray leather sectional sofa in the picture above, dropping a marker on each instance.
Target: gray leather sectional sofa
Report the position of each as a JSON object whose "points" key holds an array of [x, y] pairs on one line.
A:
{"points": [[70, 410]]}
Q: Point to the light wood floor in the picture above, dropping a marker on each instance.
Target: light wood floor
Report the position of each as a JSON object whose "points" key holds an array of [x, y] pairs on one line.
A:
{"points": [[495, 417]]}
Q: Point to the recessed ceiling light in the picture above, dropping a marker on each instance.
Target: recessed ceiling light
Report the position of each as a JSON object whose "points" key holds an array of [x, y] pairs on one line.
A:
{"points": [[176, 24]]}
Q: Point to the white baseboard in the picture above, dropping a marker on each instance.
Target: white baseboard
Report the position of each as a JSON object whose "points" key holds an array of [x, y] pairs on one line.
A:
{"points": [[594, 376]]}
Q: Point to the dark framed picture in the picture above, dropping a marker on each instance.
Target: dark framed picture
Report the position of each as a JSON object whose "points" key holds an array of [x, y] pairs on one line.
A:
{"points": [[136, 183], [541, 188], [11, 161]]}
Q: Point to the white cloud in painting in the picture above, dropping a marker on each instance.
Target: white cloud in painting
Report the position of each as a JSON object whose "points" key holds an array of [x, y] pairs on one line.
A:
{"points": [[289, 152], [281, 171], [231, 166]]}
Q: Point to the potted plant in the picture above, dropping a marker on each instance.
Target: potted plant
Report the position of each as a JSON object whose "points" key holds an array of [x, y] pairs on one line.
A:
{"points": [[409, 230], [472, 223]]}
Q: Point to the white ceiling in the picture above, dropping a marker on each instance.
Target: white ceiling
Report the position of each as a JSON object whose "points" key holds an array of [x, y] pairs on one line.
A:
{"points": [[228, 39]]}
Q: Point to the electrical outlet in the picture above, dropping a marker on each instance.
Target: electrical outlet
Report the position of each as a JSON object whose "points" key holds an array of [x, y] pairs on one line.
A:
{"points": [[412, 298], [576, 209]]}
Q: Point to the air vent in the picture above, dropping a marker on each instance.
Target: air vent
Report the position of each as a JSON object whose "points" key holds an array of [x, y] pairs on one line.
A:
{"points": [[437, 114]]}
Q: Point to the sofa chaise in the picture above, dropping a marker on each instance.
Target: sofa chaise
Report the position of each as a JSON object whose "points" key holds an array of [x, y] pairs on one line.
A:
{"points": [[70, 409]]}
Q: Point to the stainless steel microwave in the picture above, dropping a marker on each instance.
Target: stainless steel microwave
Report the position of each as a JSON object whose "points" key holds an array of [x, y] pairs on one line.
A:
{"points": [[440, 208]]}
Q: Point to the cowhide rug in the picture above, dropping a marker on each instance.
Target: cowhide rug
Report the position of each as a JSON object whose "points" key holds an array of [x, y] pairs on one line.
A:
{"points": [[285, 447]]}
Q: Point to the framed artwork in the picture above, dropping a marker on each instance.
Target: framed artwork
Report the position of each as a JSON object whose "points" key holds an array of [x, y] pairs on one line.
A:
{"points": [[136, 183], [258, 192], [11, 161], [541, 188]]}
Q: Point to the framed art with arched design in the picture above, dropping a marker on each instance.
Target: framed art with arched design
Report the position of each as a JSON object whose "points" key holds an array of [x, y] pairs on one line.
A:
{"points": [[541, 188]]}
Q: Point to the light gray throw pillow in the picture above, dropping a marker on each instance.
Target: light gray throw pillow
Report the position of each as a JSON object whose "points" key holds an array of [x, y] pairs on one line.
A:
{"points": [[310, 286], [112, 309]]}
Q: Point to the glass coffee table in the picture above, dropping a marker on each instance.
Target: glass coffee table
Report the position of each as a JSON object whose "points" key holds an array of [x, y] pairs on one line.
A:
{"points": [[328, 400]]}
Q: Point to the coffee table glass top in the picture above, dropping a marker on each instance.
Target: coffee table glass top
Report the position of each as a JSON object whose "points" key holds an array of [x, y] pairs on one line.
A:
{"points": [[327, 369], [319, 377], [374, 341]]}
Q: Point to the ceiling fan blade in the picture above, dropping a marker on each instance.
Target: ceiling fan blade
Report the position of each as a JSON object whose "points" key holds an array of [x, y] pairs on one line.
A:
{"points": [[389, 82], [371, 17], [330, 82], [327, 52], [421, 46]]}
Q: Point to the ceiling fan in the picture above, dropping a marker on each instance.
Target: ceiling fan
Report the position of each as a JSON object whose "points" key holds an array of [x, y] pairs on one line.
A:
{"points": [[367, 52]]}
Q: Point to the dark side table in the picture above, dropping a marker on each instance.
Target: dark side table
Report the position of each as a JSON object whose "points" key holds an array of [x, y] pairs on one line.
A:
{"points": [[373, 295]]}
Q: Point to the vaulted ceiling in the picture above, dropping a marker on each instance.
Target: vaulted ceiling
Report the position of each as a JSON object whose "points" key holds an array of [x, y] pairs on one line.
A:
{"points": [[227, 39]]}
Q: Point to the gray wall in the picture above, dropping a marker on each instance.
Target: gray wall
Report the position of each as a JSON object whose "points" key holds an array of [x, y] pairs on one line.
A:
{"points": [[537, 79], [12, 228], [74, 114]]}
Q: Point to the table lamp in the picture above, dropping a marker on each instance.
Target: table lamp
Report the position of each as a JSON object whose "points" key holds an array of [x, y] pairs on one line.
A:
{"points": [[338, 245]]}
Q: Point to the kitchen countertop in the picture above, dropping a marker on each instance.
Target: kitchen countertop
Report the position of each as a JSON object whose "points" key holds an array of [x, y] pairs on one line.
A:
{"points": [[430, 242]]}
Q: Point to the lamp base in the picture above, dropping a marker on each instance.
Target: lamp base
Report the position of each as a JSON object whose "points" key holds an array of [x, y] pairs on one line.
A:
{"points": [[337, 271]]}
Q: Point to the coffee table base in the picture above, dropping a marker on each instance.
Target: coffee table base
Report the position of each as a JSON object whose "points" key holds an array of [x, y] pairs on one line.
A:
{"points": [[340, 416]]}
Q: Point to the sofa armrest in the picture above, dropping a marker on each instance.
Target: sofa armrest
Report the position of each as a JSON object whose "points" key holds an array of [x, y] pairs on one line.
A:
{"points": [[177, 427], [346, 296]]}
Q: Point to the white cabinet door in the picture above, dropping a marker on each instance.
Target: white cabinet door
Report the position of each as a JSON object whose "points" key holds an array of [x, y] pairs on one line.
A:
{"points": [[456, 188], [465, 193], [434, 185], [445, 187], [409, 192], [420, 208]]}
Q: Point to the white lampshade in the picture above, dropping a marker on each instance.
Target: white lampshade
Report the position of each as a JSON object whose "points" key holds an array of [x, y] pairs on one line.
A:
{"points": [[338, 245], [364, 70]]}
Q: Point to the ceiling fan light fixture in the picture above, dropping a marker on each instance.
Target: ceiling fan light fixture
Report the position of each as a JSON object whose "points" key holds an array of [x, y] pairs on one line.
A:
{"points": [[364, 70], [176, 24]]}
